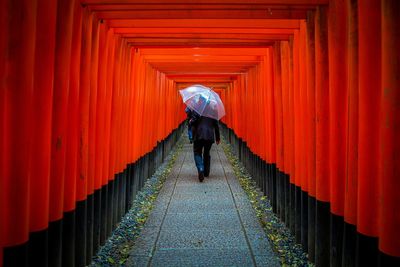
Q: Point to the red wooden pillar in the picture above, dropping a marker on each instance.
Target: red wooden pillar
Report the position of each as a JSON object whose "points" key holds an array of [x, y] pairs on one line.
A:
{"points": [[304, 140], [296, 194], [84, 102], [164, 103], [114, 131], [271, 126], [71, 170], [296, 66], [241, 100], [125, 122], [107, 145], [3, 48], [351, 177], [17, 90], [92, 76], [389, 164], [115, 119], [101, 105], [263, 114], [132, 105], [260, 118], [302, 107], [42, 103], [322, 137], [60, 107], [101, 126], [135, 84], [249, 102], [41, 131], [369, 27], [310, 132], [337, 103], [162, 82], [120, 118], [292, 159], [252, 86], [279, 126], [337, 111], [109, 85], [130, 95], [285, 98], [125, 116], [146, 112], [93, 181], [140, 111], [287, 128]]}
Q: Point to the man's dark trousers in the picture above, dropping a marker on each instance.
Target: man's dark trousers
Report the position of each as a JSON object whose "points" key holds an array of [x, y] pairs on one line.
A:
{"points": [[201, 149]]}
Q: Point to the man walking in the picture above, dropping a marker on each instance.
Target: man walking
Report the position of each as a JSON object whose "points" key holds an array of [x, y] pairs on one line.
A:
{"points": [[205, 133]]}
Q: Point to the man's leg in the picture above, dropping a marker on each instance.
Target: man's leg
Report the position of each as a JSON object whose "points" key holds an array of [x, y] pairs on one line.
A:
{"points": [[190, 134], [207, 158], [198, 159]]}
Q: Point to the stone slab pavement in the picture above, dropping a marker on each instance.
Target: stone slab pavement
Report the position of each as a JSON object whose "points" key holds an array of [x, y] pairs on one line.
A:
{"points": [[202, 224]]}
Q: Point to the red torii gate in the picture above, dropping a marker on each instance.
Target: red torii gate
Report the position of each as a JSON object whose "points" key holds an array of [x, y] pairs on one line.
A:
{"points": [[321, 75]]}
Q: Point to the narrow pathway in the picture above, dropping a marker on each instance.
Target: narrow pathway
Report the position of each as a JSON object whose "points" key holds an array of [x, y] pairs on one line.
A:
{"points": [[202, 224]]}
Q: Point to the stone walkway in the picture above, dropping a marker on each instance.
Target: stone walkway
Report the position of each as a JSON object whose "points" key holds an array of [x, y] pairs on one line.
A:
{"points": [[202, 224]]}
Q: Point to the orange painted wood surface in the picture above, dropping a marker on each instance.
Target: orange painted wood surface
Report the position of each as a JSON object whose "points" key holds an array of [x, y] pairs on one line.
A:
{"points": [[41, 114], [89, 87]]}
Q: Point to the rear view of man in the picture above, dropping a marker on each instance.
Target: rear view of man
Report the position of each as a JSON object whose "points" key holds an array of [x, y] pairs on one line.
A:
{"points": [[205, 133]]}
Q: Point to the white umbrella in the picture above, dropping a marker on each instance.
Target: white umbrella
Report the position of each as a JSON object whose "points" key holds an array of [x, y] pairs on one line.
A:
{"points": [[204, 101]]}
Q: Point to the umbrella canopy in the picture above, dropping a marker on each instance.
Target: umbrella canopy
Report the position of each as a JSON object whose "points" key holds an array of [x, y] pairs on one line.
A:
{"points": [[204, 101]]}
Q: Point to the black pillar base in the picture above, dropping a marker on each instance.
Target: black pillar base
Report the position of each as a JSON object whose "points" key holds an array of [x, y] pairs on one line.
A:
{"points": [[349, 245], [16, 255], [68, 239], [38, 248], [97, 220], [287, 199], [104, 214], [311, 228], [89, 228], [304, 220], [388, 261], [292, 209], [336, 236], [367, 252], [322, 241], [55, 243], [274, 188], [81, 233], [298, 214]]}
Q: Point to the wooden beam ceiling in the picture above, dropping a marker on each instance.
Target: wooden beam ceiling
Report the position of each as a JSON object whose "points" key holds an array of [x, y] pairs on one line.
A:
{"points": [[212, 41]]}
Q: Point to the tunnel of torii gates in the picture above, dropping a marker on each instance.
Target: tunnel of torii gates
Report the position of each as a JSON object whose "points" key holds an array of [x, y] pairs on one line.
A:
{"points": [[90, 107]]}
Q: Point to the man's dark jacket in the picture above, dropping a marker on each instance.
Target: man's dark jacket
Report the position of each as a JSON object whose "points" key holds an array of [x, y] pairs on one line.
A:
{"points": [[204, 129]]}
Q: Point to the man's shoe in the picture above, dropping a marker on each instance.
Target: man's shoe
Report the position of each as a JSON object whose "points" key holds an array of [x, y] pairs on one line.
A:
{"points": [[201, 176], [206, 174]]}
